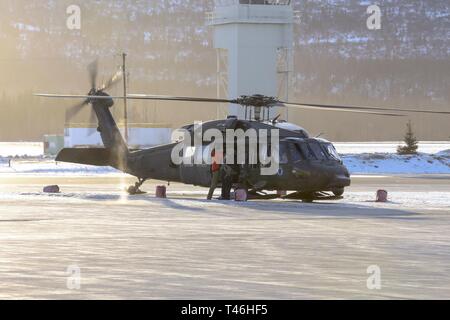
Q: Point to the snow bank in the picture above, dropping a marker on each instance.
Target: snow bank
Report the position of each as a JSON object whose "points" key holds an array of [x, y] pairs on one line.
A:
{"points": [[46, 167], [431, 147], [445, 153], [21, 149], [385, 163]]}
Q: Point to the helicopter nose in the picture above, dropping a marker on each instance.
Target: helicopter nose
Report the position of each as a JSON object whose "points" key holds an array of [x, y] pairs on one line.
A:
{"points": [[340, 177], [329, 177], [322, 177]]}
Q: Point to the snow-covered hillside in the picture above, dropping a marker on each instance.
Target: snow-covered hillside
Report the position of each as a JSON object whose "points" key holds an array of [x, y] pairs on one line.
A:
{"points": [[337, 60]]}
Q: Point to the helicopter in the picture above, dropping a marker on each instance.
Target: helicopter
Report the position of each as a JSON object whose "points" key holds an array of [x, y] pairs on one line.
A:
{"points": [[309, 168]]}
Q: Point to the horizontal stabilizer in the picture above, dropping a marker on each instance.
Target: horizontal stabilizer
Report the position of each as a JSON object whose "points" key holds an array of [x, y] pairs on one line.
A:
{"points": [[90, 156]]}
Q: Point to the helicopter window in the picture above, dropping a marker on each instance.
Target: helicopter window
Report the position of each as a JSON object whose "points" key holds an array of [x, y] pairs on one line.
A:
{"points": [[331, 150], [307, 151], [317, 150], [296, 153], [283, 153]]}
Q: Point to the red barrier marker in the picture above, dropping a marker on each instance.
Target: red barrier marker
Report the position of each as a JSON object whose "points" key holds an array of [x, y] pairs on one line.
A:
{"points": [[51, 189], [161, 192], [241, 195], [382, 196]]}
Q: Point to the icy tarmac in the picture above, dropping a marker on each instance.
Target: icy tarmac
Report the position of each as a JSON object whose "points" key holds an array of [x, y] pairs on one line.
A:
{"points": [[115, 246]]}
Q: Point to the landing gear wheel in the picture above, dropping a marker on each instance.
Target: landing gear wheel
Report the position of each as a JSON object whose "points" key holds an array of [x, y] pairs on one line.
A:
{"points": [[308, 198], [338, 192], [134, 190]]}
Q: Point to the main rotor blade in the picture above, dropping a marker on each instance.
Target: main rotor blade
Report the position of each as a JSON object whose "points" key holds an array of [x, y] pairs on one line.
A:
{"points": [[337, 107], [312, 106], [74, 96], [175, 98], [132, 97], [93, 73], [112, 81]]}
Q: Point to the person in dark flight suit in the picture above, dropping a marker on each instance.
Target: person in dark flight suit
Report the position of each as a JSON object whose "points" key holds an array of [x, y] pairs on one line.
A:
{"points": [[227, 181]]}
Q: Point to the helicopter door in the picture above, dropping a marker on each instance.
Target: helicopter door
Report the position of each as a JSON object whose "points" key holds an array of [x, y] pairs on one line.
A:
{"points": [[288, 156], [198, 172]]}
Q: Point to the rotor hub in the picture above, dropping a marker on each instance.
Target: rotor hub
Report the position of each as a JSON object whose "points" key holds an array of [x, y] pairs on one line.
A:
{"points": [[257, 100], [259, 103], [99, 93]]}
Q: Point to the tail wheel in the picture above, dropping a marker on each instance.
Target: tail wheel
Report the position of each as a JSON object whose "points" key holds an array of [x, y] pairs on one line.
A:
{"points": [[132, 190], [308, 197]]}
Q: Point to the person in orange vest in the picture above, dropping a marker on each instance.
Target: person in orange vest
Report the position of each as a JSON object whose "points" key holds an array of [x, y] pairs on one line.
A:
{"points": [[217, 159]]}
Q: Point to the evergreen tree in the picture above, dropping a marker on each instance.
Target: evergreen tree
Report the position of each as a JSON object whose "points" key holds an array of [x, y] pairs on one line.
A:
{"points": [[410, 140]]}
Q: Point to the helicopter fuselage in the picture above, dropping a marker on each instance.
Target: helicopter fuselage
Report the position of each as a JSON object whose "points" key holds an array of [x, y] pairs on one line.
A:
{"points": [[305, 164]]}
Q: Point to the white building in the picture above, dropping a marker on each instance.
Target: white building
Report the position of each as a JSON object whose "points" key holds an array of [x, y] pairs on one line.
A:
{"points": [[257, 37], [140, 135]]}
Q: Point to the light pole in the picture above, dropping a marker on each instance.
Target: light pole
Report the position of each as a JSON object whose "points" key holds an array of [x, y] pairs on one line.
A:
{"points": [[125, 106]]}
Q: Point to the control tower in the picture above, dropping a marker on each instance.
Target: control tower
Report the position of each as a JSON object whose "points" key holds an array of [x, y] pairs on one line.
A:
{"points": [[254, 39]]}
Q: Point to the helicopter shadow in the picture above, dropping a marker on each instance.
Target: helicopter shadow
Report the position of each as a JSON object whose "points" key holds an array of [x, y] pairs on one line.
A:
{"points": [[171, 203], [296, 208], [324, 210], [319, 210], [103, 197]]}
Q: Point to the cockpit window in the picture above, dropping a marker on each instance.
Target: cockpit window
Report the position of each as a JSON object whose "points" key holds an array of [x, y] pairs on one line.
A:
{"points": [[317, 150], [307, 151], [332, 152]]}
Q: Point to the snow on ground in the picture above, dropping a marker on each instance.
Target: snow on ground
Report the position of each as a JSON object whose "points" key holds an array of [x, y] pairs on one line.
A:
{"points": [[21, 149], [40, 166], [401, 200], [398, 200], [390, 163], [388, 147], [182, 248]]}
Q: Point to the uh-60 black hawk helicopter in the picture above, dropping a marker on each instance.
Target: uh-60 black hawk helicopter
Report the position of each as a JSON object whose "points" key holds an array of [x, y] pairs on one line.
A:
{"points": [[309, 167]]}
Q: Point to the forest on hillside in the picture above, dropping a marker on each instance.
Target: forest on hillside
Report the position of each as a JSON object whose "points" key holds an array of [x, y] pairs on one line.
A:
{"points": [[337, 60]]}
